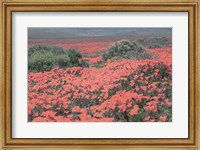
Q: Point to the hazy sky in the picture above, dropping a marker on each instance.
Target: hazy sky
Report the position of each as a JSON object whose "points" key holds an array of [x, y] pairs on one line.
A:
{"points": [[40, 33]]}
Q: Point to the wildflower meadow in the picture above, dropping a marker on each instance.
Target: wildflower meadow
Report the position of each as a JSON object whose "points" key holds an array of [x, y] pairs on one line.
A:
{"points": [[120, 80]]}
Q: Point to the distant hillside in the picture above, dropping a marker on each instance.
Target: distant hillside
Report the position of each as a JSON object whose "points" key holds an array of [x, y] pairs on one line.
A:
{"points": [[60, 33]]}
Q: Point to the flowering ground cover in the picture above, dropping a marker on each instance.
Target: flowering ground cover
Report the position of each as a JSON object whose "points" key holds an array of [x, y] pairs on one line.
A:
{"points": [[120, 90], [99, 74]]}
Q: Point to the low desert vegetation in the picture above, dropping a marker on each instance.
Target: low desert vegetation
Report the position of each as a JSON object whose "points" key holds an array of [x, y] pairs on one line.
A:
{"points": [[45, 58], [155, 42]]}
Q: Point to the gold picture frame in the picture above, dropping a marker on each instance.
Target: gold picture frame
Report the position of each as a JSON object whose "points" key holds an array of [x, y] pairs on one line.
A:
{"points": [[9, 6]]}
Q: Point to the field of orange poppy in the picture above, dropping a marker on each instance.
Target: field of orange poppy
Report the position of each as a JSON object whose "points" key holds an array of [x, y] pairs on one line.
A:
{"points": [[112, 80]]}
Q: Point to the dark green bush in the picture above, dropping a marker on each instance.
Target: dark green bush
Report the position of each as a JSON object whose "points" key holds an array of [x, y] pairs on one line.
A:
{"points": [[74, 57], [45, 58], [126, 49], [85, 64]]}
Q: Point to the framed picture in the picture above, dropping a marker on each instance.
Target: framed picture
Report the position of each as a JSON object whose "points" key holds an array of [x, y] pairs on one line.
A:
{"points": [[107, 75]]}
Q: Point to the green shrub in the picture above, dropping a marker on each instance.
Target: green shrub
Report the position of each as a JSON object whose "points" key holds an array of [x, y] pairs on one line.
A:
{"points": [[74, 57], [40, 61], [45, 58], [126, 49], [63, 61], [43, 48], [85, 64]]}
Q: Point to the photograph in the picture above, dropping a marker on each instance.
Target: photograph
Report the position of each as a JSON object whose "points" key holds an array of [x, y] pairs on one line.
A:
{"points": [[99, 74]]}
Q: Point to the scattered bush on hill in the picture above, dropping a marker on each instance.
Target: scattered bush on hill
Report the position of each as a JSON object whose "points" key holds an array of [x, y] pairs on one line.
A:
{"points": [[126, 49], [155, 42]]}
